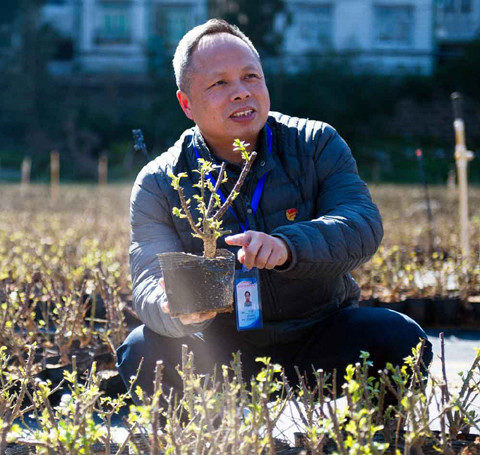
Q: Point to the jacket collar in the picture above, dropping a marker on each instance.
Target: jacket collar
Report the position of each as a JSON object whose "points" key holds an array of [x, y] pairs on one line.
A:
{"points": [[264, 162]]}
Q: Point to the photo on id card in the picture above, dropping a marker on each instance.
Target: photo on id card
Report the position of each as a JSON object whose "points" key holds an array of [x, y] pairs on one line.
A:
{"points": [[247, 301]]}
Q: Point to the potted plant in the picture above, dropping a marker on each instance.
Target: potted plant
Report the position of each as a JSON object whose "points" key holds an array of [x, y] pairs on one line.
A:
{"points": [[199, 284], [417, 303], [446, 302], [391, 273]]}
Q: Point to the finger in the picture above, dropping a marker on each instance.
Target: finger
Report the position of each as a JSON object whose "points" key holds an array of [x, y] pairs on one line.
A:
{"points": [[207, 316], [241, 256], [187, 319], [242, 239], [283, 250], [278, 255], [196, 318], [263, 256], [252, 250], [274, 260], [164, 306]]}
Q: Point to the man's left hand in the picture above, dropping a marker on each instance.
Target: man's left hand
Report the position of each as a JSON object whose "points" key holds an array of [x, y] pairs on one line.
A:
{"points": [[260, 250]]}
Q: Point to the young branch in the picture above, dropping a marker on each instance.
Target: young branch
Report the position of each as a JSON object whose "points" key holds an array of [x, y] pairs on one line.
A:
{"points": [[187, 212], [236, 189], [215, 190]]}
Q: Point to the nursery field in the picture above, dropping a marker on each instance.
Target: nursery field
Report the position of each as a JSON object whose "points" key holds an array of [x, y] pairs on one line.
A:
{"points": [[65, 305]]}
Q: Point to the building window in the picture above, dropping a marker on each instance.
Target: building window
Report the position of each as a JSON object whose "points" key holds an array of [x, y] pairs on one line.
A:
{"points": [[171, 22], [313, 25], [394, 25], [465, 6], [113, 23], [457, 6]]}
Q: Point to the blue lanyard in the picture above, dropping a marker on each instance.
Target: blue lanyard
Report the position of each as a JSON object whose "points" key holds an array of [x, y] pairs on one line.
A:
{"points": [[258, 189]]}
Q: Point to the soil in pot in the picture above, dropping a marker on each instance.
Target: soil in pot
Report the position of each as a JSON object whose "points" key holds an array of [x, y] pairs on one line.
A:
{"points": [[418, 309], [194, 284]]}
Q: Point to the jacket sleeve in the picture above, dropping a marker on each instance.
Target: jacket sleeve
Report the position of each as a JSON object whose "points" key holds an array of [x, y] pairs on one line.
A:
{"points": [[348, 229], [152, 232]]}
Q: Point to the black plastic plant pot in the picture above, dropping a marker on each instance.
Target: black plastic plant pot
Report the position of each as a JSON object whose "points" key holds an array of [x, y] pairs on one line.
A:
{"points": [[194, 284], [418, 309], [446, 311]]}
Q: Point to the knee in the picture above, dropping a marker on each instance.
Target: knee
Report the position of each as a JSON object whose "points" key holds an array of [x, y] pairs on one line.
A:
{"points": [[409, 335], [412, 334], [393, 334], [132, 352]]}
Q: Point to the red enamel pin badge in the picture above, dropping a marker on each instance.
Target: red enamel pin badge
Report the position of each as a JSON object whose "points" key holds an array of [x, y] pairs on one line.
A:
{"points": [[291, 214]]}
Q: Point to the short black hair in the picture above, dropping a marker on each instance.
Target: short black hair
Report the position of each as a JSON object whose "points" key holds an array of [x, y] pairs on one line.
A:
{"points": [[247, 292], [189, 43]]}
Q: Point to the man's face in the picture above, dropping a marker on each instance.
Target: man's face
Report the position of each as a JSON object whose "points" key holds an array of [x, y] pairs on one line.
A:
{"points": [[227, 96]]}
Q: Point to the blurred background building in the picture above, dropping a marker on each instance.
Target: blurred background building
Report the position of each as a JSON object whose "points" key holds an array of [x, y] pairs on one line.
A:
{"points": [[112, 36], [78, 75], [383, 36]]}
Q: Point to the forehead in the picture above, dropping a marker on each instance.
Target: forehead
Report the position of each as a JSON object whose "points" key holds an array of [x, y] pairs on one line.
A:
{"points": [[222, 51]]}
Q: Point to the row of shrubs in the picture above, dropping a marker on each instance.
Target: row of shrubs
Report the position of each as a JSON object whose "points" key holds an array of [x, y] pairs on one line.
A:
{"points": [[384, 412]]}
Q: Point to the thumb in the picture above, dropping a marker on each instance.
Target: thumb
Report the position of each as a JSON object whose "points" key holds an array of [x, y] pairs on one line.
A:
{"points": [[242, 239], [163, 305]]}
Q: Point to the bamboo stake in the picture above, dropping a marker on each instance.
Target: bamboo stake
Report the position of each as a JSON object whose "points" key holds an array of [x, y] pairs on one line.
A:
{"points": [[103, 169], [54, 174], [462, 157], [452, 181], [26, 169], [423, 176]]}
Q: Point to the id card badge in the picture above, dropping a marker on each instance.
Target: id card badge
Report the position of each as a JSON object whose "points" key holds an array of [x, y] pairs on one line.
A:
{"points": [[248, 305]]}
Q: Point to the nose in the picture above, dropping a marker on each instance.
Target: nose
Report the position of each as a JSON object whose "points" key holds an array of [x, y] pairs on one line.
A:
{"points": [[240, 91]]}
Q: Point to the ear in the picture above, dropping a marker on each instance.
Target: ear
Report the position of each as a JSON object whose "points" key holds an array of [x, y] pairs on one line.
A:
{"points": [[184, 103]]}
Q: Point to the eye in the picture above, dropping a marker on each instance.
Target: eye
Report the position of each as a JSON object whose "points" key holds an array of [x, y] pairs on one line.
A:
{"points": [[252, 76], [218, 83]]}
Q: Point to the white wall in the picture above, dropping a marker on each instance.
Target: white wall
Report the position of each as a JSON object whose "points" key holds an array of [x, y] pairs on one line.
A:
{"points": [[457, 26], [60, 16], [131, 57], [353, 29]]}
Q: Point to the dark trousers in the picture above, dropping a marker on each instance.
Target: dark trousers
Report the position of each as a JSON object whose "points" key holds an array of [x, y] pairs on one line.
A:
{"points": [[331, 343]]}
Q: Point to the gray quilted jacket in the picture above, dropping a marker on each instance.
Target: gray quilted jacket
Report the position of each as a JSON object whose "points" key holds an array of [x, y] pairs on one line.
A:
{"points": [[310, 169]]}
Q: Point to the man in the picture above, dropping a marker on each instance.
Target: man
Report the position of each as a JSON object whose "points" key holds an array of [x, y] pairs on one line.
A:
{"points": [[313, 224], [247, 302]]}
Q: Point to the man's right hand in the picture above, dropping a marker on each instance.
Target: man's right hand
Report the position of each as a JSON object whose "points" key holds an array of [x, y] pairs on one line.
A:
{"points": [[186, 319]]}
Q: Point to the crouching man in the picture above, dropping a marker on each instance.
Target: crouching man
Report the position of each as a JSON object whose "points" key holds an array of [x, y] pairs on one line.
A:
{"points": [[303, 221]]}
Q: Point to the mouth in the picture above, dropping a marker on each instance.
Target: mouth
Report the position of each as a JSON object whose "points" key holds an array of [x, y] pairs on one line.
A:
{"points": [[242, 115]]}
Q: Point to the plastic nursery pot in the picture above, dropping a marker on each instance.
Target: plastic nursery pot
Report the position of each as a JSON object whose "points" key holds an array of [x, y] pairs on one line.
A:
{"points": [[194, 284], [446, 311], [474, 304], [418, 309]]}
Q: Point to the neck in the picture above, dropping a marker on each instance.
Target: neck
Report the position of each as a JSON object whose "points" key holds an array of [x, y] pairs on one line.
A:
{"points": [[231, 156], [226, 153]]}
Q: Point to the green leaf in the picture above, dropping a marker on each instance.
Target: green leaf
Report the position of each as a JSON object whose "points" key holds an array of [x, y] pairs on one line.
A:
{"points": [[178, 212]]}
